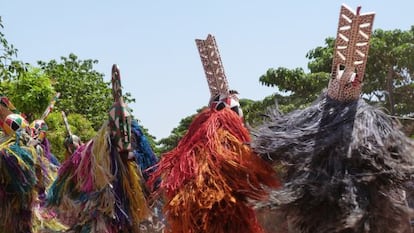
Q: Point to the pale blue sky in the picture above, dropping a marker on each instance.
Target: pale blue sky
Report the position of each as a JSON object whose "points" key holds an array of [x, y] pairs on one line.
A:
{"points": [[153, 42]]}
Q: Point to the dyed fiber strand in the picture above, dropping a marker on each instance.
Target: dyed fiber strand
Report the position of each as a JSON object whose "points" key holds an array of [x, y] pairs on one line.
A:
{"points": [[209, 178], [146, 159], [17, 185], [345, 166], [97, 191]]}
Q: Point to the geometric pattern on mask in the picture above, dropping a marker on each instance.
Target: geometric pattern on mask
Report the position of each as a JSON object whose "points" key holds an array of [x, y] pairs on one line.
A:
{"points": [[350, 54]]}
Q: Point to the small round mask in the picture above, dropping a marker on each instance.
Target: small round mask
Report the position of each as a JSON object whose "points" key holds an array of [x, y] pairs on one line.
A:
{"points": [[38, 129], [13, 123]]}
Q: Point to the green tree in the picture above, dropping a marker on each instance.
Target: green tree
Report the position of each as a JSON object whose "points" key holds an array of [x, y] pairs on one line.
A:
{"points": [[390, 70], [85, 97], [82, 89], [79, 125], [296, 88], [388, 79], [31, 92], [9, 66]]}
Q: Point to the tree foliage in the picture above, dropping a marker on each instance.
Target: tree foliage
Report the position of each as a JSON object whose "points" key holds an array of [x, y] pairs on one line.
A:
{"points": [[85, 97], [321, 57], [296, 86], [83, 90], [79, 125], [390, 70], [28, 88], [31, 92], [9, 66], [388, 79]]}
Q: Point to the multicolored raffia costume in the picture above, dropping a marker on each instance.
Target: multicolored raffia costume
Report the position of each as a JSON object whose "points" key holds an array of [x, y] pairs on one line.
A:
{"points": [[346, 161], [17, 172], [100, 188], [209, 178], [48, 163], [39, 130], [147, 162], [25, 173], [46, 168]]}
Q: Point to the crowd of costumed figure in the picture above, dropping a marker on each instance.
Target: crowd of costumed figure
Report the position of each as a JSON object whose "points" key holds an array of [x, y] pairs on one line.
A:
{"points": [[337, 166], [27, 170]]}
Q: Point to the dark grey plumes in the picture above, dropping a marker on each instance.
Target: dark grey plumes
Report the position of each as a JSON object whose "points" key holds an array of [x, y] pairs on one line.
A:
{"points": [[345, 164]]}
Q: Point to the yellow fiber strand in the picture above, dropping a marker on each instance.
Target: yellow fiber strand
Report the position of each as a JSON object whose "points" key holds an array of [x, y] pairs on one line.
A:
{"points": [[45, 221], [100, 161], [134, 193]]}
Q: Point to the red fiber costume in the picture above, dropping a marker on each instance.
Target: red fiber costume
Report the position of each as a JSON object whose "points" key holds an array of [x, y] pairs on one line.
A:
{"points": [[212, 174]]}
